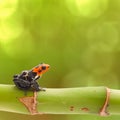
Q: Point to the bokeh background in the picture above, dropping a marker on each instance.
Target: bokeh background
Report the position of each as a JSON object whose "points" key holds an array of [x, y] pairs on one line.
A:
{"points": [[80, 39]]}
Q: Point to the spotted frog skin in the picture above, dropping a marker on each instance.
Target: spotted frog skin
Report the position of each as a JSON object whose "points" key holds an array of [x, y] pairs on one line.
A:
{"points": [[28, 79]]}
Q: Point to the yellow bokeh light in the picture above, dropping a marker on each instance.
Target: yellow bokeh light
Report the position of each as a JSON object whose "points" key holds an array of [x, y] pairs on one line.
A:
{"points": [[7, 8], [19, 48], [10, 29], [82, 2], [87, 8]]}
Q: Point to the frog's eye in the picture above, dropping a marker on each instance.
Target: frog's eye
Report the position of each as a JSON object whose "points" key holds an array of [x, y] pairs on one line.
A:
{"points": [[43, 67]]}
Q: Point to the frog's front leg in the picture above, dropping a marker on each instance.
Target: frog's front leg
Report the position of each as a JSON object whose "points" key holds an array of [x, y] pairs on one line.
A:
{"points": [[35, 86]]}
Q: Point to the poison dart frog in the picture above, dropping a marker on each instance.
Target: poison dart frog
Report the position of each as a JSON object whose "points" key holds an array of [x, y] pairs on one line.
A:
{"points": [[28, 78]]}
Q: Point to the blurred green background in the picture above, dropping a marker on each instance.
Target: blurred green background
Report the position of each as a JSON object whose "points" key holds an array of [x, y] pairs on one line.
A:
{"points": [[80, 39]]}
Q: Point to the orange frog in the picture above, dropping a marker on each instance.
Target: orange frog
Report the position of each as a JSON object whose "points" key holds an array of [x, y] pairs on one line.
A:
{"points": [[28, 78]]}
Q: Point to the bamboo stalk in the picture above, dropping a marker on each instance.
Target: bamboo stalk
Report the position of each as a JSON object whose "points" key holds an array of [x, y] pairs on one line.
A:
{"points": [[83, 100]]}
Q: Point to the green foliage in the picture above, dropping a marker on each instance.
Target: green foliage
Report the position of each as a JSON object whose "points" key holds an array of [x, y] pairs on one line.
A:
{"points": [[80, 40]]}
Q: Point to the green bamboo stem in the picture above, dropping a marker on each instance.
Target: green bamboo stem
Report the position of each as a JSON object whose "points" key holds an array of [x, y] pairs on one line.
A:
{"points": [[84, 100]]}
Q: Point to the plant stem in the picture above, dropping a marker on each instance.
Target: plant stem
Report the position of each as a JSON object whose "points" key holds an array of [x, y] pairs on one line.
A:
{"points": [[83, 100]]}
